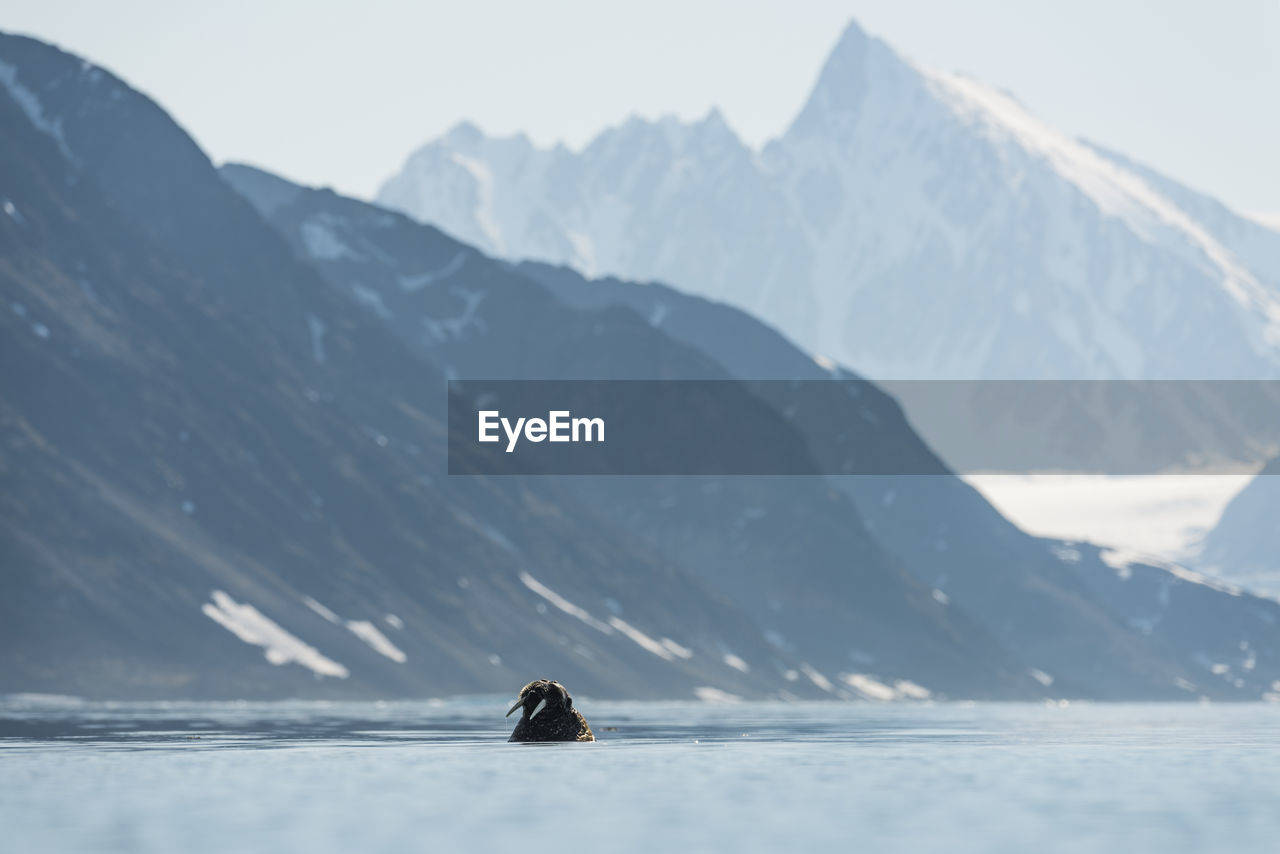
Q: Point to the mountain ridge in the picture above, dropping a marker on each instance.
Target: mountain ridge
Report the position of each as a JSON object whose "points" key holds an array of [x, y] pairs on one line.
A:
{"points": [[222, 482], [225, 474], [1059, 614], [899, 199]]}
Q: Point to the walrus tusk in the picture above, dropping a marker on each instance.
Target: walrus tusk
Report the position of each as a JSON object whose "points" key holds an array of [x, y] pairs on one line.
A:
{"points": [[518, 704], [542, 704]]}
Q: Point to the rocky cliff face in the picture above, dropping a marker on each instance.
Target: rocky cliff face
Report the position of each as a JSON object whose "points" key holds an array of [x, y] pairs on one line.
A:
{"points": [[816, 561], [221, 480]]}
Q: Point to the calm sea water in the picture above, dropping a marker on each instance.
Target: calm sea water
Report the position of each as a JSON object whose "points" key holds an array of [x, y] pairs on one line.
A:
{"points": [[439, 776]]}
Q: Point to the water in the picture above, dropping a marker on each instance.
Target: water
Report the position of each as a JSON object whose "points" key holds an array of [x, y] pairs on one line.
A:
{"points": [[439, 776]]}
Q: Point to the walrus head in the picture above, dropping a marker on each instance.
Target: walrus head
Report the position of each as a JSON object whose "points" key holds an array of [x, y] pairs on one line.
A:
{"points": [[548, 714]]}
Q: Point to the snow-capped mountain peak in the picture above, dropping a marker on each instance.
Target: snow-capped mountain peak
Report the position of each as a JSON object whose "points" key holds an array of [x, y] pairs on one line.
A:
{"points": [[909, 222], [859, 67]]}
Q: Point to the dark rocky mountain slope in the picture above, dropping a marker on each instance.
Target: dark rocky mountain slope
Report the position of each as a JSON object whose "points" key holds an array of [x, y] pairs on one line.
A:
{"points": [[1038, 598]]}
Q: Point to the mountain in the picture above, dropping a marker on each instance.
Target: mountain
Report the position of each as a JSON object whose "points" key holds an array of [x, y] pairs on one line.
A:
{"points": [[910, 223], [790, 552], [1244, 546], [221, 481], [222, 438], [1048, 604], [1072, 608]]}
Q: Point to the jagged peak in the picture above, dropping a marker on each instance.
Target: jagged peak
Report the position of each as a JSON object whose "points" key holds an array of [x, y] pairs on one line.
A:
{"points": [[671, 131], [464, 133], [714, 118], [714, 124], [856, 63], [853, 40]]}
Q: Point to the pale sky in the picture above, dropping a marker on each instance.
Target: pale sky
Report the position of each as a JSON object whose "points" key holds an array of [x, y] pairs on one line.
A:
{"points": [[339, 94]]}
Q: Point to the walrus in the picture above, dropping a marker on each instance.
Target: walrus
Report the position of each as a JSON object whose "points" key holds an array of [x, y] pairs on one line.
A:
{"points": [[548, 714]]}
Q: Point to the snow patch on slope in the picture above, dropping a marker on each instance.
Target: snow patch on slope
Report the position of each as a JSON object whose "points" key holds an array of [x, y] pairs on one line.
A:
{"points": [[322, 242], [665, 648], [31, 105], [253, 627], [321, 610], [421, 280], [563, 604], [483, 177], [369, 633], [642, 640], [364, 630], [709, 694], [1118, 192], [1266, 219]]}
